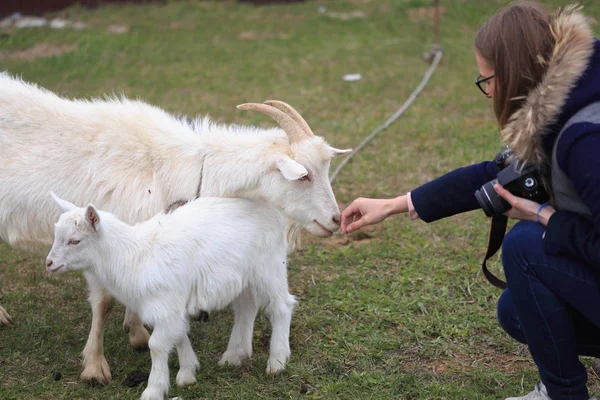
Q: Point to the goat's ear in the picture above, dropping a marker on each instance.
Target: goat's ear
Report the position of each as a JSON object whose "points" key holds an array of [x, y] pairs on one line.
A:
{"points": [[290, 169], [63, 205], [337, 152], [92, 217]]}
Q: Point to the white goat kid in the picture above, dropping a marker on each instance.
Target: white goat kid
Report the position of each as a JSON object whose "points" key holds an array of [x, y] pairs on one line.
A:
{"points": [[205, 255], [134, 160]]}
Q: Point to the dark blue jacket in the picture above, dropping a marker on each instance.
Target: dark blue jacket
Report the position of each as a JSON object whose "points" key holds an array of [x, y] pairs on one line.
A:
{"points": [[578, 155]]}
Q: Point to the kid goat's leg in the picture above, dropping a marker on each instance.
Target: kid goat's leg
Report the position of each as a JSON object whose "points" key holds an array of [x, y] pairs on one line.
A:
{"points": [[279, 310], [188, 362], [165, 335], [95, 367], [240, 341], [138, 335]]}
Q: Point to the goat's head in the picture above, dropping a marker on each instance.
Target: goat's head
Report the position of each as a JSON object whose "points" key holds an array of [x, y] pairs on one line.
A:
{"points": [[74, 235], [299, 178]]}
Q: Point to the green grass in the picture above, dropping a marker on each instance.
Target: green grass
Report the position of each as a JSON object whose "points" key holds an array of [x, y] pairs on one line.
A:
{"points": [[400, 313]]}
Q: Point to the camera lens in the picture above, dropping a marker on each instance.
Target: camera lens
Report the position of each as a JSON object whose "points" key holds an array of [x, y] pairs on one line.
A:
{"points": [[491, 203]]}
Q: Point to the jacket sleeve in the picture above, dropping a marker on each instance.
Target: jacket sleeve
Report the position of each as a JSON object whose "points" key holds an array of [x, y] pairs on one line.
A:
{"points": [[452, 193], [570, 234]]}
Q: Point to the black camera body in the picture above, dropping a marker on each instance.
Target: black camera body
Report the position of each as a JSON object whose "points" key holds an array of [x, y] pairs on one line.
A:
{"points": [[524, 182]]}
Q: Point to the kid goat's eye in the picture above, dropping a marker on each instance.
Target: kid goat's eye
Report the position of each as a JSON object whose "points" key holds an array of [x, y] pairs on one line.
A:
{"points": [[304, 178], [74, 242]]}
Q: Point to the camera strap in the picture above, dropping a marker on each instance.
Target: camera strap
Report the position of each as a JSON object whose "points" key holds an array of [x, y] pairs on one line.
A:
{"points": [[497, 232]]}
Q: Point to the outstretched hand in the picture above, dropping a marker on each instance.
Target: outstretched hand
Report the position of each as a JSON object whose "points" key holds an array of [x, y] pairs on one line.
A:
{"points": [[524, 209], [362, 212]]}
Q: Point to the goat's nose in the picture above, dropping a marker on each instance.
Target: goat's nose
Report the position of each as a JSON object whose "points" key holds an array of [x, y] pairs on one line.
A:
{"points": [[48, 263], [336, 220]]}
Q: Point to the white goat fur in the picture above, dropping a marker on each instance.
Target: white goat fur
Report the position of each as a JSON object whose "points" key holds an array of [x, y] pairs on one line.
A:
{"points": [[133, 159], [205, 255]]}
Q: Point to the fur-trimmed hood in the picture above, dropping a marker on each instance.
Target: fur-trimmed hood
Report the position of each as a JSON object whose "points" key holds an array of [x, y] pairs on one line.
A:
{"points": [[571, 82]]}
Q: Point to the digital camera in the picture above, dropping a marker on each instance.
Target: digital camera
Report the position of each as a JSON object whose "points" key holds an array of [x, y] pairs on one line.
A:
{"points": [[524, 182]]}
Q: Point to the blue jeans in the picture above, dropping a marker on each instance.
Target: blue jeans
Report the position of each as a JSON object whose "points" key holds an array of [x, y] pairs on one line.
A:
{"points": [[552, 304]]}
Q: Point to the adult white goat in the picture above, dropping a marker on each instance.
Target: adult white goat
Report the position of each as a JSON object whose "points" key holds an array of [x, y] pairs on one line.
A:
{"points": [[133, 159], [206, 254]]}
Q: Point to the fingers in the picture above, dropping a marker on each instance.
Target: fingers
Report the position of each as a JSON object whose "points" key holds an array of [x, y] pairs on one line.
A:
{"points": [[347, 216], [356, 225], [505, 194], [362, 212], [523, 209], [351, 214]]}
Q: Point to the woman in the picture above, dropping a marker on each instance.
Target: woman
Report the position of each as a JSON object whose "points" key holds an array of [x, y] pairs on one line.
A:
{"points": [[542, 72]]}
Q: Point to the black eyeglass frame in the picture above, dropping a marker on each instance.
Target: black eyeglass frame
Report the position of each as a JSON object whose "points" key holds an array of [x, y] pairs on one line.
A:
{"points": [[480, 79]]}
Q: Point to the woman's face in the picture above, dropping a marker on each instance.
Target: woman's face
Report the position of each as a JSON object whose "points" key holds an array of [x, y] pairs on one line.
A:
{"points": [[485, 71]]}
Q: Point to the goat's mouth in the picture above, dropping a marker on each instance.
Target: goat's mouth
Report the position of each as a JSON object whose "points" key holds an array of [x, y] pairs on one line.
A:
{"points": [[56, 269], [326, 232]]}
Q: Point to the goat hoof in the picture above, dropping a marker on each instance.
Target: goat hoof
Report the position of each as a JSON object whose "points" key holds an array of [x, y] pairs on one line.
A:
{"points": [[152, 393], [5, 319], [276, 365], [126, 328], [185, 378], [96, 374], [232, 358]]}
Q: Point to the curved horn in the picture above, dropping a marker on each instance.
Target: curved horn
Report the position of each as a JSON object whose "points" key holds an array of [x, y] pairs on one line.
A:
{"points": [[291, 128], [291, 111]]}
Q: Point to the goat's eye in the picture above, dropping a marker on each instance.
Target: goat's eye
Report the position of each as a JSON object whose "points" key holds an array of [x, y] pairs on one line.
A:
{"points": [[74, 242], [304, 178]]}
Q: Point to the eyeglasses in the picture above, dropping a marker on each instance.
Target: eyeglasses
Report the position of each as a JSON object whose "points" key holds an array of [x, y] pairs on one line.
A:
{"points": [[480, 79]]}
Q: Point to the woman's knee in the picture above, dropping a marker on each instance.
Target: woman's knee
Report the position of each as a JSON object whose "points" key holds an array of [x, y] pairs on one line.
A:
{"points": [[507, 317], [522, 247]]}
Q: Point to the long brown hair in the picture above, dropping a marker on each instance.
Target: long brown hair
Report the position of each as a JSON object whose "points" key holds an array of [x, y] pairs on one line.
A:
{"points": [[517, 43]]}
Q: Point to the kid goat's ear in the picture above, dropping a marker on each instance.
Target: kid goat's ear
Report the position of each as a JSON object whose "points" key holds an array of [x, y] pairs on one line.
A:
{"points": [[92, 217], [63, 205]]}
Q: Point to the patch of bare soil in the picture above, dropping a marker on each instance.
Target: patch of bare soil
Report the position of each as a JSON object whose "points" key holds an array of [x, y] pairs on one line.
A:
{"points": [[358, 237], [251, 35], [420, 13], [39, 50], [181, 25], [117, 29], [506, 363], [346, 16]]}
